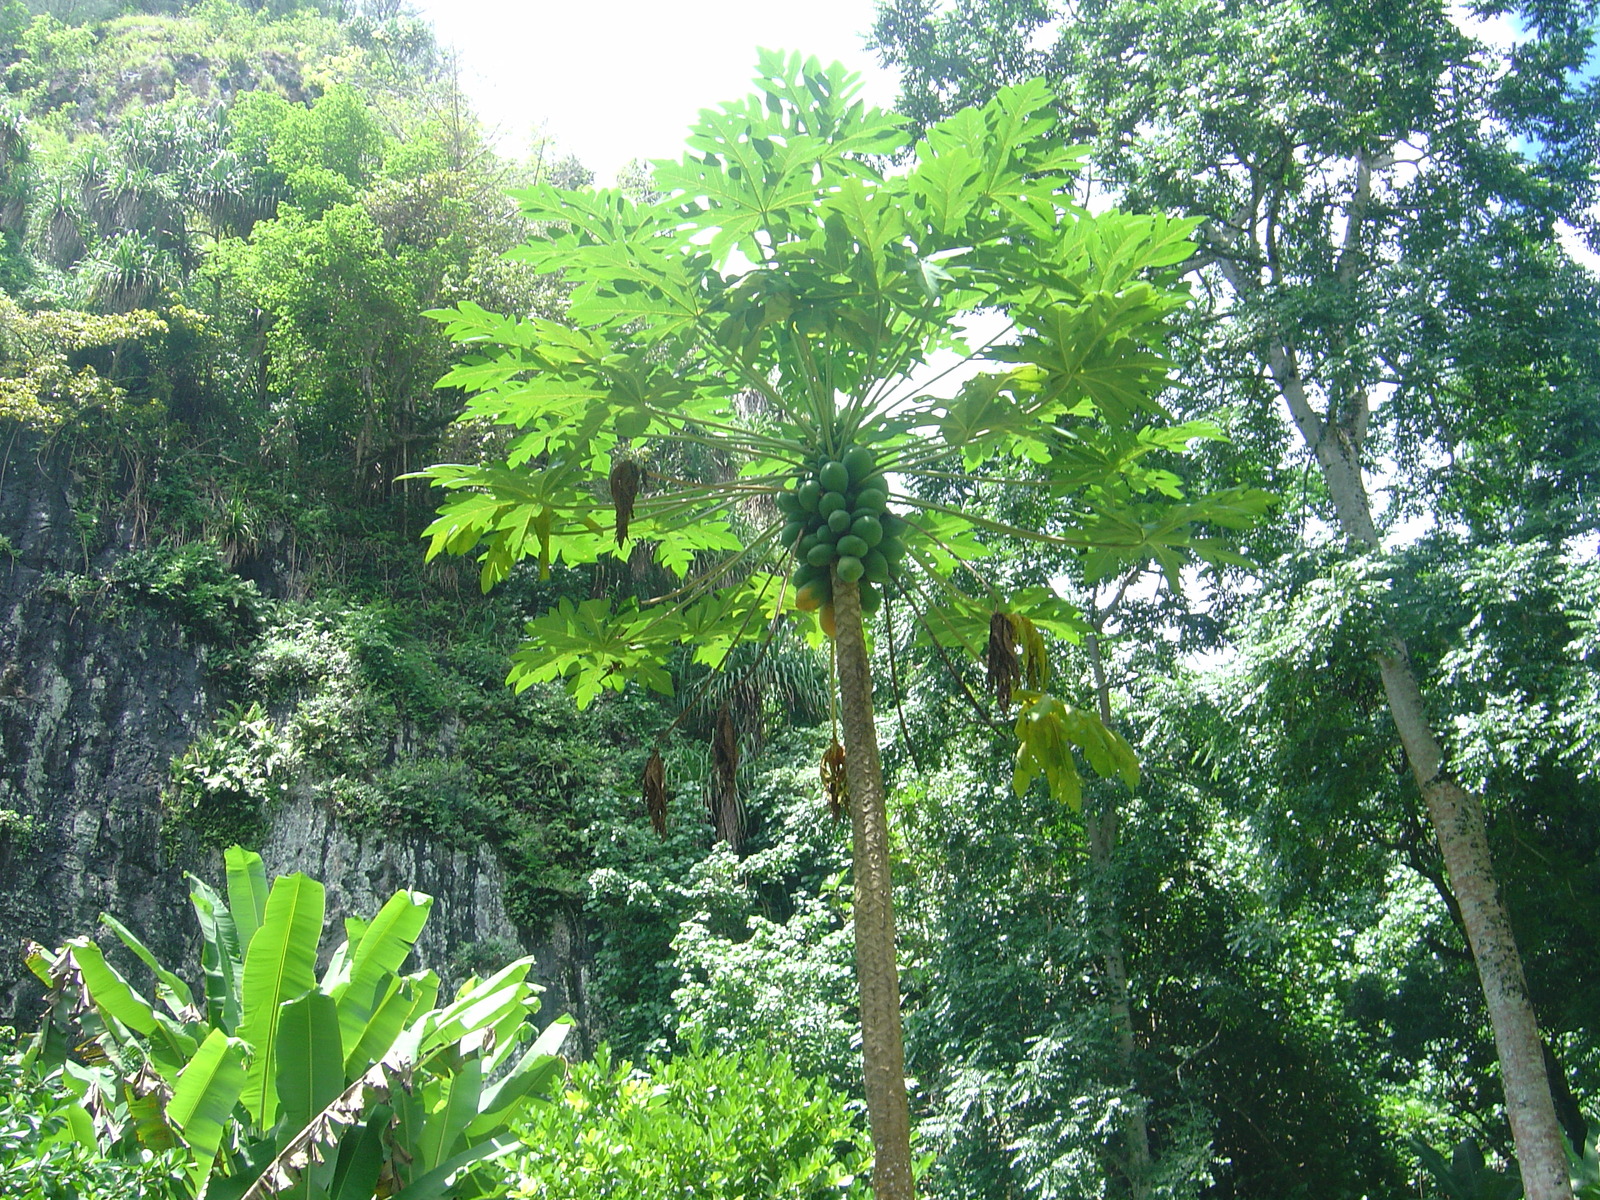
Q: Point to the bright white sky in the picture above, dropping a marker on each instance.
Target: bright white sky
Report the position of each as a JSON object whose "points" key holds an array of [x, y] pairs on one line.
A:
{"points": [[614, 80]]}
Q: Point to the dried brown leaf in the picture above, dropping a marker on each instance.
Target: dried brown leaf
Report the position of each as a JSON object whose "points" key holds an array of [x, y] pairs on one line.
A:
{"points": [[655, 792], [625, 476], [727, 815], [1004, 668], [311, 1144], [834, 785]]}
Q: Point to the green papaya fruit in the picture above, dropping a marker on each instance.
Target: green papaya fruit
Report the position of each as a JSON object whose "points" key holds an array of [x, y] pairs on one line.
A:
{"points": [[834, 476]]}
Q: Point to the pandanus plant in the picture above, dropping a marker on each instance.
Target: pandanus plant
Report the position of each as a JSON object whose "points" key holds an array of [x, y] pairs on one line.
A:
{"points": [[787, 304]]}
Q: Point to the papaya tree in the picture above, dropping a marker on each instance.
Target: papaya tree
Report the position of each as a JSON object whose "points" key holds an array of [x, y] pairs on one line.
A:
{"points": [[789, 302]]}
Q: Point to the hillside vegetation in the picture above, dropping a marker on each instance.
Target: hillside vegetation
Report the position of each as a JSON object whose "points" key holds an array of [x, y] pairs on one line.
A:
{"points": [[1259, 563]]}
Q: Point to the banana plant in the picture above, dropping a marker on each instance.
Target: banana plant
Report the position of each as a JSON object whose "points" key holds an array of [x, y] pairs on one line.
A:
{"points": [[344, 1085], [784, 299]]}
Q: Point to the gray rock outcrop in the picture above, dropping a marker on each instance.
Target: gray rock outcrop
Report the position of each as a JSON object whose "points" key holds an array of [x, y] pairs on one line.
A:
{"points": [[92, 713]]}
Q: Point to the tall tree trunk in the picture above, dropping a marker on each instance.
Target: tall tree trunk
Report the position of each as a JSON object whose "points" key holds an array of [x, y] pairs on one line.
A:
{"points": [[877, 975], [1459, 825], [1455, 812], [1100, 823]]}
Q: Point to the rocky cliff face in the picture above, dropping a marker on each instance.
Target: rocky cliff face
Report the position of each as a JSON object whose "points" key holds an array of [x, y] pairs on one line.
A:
{"points": [[92, 711], [468, 928], [90, 715]]}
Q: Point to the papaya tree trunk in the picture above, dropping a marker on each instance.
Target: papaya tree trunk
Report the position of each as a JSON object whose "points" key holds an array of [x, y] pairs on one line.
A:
{"points": [[877, 975], [1100, 819]]}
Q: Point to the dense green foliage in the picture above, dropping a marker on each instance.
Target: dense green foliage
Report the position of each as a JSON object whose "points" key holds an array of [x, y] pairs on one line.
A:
{"points": [[301, 186], [739, 1124], [223, 227], [41, 1158], [1382, 270]]}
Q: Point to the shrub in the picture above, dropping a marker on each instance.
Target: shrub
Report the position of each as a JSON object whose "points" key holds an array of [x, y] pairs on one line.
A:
{"points": [[787, 983], [224, 780], [189, 583], [18, 828], [713, 1126], [45, 1153], [436, 795]]}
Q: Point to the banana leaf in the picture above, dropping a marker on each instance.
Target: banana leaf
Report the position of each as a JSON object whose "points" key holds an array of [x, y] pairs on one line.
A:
{"points": [[384, 947], [247, 893], [447, 1120], [219, 956], [280, 965], [439, 1182], [310, 1069], [203, 1098], [171, 989]]}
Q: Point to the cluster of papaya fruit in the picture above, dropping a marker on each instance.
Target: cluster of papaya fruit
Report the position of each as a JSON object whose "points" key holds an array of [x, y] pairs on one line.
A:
{"points": [[839, 520]]}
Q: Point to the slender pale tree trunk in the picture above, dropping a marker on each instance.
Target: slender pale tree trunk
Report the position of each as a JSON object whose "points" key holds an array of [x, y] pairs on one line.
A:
{"points": [[877, 975], [1456, 814], [1100, 823]]}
